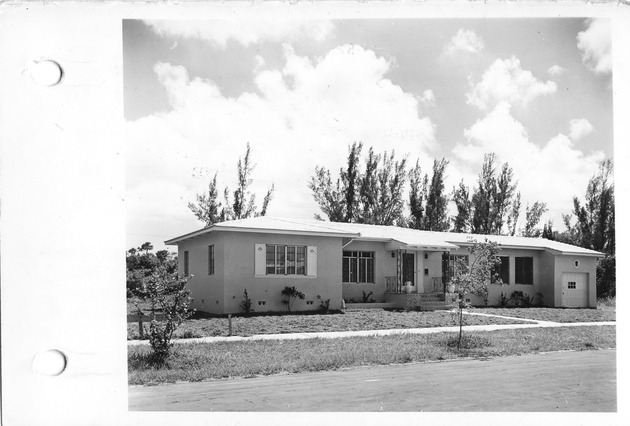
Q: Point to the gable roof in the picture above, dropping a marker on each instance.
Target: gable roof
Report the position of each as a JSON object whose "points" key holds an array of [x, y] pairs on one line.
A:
{"points": [[405, 237]]}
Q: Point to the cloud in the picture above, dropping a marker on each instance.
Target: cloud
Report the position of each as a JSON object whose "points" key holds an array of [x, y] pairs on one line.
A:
{"points": [[302, 115], [465, 41], [219, 32], [580, 128], [553, 172], [556, 70], [506, 81], [427, 98], [595, 44]]}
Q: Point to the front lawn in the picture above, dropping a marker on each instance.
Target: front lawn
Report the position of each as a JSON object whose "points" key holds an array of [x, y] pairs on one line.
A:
{"points": [[351, 320], [207, 361], [553, 314]]}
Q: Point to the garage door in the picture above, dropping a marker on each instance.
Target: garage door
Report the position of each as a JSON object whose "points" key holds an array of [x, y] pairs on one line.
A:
{"points": [[574, 290]]}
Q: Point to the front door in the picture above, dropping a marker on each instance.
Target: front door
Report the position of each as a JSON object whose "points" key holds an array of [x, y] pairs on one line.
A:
{"points": [[408, 268]]}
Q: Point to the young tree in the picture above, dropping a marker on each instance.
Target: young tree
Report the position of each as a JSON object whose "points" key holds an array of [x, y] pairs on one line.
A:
{"points": [[436, 217], [209, 210], [289, 295], [532, 217], [473, 277]]}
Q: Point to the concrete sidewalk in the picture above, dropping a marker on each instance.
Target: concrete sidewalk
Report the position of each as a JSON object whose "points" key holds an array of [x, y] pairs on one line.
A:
{"points": [[338, 334]]}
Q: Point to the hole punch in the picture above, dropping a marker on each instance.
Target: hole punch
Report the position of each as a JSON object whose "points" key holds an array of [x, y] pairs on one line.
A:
{"points": [[50, 363], [46, 73]]}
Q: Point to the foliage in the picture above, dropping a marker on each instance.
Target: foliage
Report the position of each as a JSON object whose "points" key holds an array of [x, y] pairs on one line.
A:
{"points": [[168, 295], [606, 277], [474, 276], [520, 299], [436, 211], [246, 304], [463, 204], [210, 210], [289, 295], [532, 217], [142, 263], [324, 305], [366, 297]]}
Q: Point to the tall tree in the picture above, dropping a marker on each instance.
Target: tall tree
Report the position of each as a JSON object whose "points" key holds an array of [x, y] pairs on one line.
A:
{"points": [[209, 210], [436, 217], [532, 218], [515, 212], [351, 177], [330, 197], [492, 197], [417, 196], [463, 204], [596, 218], [548, 231]]}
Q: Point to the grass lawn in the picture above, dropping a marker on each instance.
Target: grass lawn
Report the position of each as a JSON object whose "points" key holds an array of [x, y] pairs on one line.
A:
{"points": [[553, 314], [207, 361], [351, 320]]}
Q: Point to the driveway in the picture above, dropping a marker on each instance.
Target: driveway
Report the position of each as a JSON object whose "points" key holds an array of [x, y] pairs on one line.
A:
{"points": [[561, 381]]}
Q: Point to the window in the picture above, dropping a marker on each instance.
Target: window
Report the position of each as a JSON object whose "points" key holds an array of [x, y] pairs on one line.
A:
{"points": [[186, 269], [426, 272], [211, 260], [286, 260], [501, 271], [358, 267], [571, 285], [524, 269]]}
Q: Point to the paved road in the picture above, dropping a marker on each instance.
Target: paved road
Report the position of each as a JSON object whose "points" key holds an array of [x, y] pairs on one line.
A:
{"points": [[560, 381]]}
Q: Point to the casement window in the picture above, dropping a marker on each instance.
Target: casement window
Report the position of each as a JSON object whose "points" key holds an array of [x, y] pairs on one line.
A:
{"points": [[501, 271], [211, 260], [524, 270], [358, 267], [285, 260], [186, 264]]}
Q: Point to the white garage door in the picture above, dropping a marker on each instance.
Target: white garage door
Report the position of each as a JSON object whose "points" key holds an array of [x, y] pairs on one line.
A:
{"points": [[574, 290]]}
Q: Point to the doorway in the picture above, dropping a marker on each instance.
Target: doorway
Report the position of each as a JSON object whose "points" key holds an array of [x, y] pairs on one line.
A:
{"points": [[409, 268]]}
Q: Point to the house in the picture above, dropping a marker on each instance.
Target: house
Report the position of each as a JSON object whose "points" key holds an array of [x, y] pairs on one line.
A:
{"points": [[343, 260]]}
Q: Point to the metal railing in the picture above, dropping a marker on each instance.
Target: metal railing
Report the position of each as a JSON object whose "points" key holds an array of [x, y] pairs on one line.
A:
{"points": [[392, 285], [438, 284]]}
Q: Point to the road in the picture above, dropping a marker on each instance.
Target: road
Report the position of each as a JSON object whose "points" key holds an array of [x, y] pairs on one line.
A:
{"points": [[561, 381]]}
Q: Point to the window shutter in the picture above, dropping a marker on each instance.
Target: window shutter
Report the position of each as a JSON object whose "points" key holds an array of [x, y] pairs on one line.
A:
{"points": [[311, 261], [260, 259]]}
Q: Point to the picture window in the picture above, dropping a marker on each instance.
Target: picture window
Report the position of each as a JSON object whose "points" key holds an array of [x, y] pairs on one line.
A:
{"points": [[358, 267]]}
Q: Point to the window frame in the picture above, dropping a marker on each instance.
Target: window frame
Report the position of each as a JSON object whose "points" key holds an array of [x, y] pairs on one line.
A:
{"points": [[358, 267], [505, 263], [282, 265], [524, 271]]}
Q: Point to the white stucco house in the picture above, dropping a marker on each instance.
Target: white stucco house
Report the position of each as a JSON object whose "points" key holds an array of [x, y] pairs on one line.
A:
{"points": [[342, 260]]}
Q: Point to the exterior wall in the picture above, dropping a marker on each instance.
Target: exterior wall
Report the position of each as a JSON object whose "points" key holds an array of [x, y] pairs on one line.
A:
{"points": [[239, 270], [566, 264], [547, 277], [384, 266], [206, 290], [495, 290]]}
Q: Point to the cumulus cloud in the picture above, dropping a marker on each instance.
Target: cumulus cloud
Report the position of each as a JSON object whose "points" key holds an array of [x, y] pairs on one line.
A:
{"points": [[302, 115], [596, 46], [552, 172], [579, 128], [465, 41], [219, 32], [556, 70], [428, 98], [506, 81]]}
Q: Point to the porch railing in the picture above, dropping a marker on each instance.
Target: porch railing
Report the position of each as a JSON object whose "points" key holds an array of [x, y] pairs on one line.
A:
{"points": [[438, 284], [392, 285]]}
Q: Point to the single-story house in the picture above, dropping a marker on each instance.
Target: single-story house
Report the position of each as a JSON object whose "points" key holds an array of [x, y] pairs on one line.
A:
{"points": [[347, 260]]}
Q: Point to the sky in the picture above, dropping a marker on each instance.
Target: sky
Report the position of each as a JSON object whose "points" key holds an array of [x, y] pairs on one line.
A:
{"points": [[537, 92]]}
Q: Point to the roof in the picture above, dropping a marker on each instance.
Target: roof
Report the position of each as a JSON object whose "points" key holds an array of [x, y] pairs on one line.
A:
{"points": [[410, 238]]}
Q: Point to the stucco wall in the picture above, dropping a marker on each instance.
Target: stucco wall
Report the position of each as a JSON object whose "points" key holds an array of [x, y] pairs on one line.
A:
{"points": [[384, 266], [566, 264], [206, 290], [239, 264]]}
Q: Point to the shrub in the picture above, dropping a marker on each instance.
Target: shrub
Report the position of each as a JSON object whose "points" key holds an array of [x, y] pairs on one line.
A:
{"points": [[324, 305], [289, 294], [246, 304], [366, 297]]}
